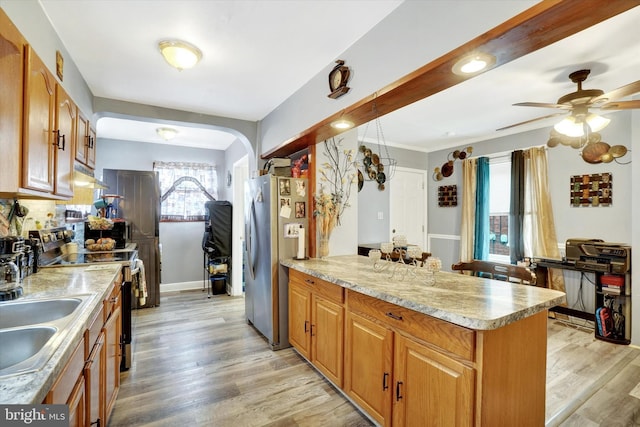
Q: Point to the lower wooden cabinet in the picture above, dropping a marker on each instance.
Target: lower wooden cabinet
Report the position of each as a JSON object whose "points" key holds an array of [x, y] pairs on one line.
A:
{"points": [[69, 387], [430, 388], [77, 404], [399, 381], [405, 368], [113, 350], [95, 384], [316, 323], [368, 366]]}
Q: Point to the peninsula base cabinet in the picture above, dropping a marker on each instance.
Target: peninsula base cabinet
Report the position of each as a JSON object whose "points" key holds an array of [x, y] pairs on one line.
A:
{"points": [[405, 368], [316, 323]]}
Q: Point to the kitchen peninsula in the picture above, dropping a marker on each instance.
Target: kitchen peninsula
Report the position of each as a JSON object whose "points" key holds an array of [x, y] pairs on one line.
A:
{"points": [[461, 351]]}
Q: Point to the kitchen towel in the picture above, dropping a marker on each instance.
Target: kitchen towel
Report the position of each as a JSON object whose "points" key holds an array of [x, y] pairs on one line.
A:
{"points": [[142, 282]]}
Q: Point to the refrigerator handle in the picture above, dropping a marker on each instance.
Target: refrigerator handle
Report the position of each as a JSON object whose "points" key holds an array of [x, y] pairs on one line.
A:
{"points": [[249, 238]]}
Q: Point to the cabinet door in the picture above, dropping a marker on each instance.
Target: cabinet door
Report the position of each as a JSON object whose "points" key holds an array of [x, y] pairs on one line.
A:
{"points": [[300, 318], [368, 364], [77, 405], [430, 389], [12, 78], [91, 149], [82, 138], [112, 360], [95, 383], [64, 140], [39, 112], [327, 326]]}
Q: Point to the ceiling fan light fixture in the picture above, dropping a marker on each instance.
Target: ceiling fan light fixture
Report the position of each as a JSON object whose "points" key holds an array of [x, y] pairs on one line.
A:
{"points": [[597, 123], [472, 64], [569, 126], [167, 133], [179, 54], [342, 124]]}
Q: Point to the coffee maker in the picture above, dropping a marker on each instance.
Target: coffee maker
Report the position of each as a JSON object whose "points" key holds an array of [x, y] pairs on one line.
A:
{"points": [[13, 267]]}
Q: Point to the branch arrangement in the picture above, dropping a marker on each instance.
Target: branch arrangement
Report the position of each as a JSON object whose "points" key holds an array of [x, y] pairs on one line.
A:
{"points": [[336, 177]]}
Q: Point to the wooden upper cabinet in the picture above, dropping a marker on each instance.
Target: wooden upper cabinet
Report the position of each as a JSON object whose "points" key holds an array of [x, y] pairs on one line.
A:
{"points": [[91, 151], [85, 142], [38, 155], [82, 141], [11, 84], [64, 140]]}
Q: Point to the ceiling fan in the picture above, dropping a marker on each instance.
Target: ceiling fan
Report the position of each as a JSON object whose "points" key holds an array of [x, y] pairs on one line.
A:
{"points": [[581, 126]]}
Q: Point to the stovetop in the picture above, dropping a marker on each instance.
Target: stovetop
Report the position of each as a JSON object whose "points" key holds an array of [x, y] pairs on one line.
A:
{"points": [[91, 257]]}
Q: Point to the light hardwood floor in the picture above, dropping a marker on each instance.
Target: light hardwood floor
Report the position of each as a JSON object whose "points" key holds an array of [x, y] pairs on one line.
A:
{"points": [[197, 363]]}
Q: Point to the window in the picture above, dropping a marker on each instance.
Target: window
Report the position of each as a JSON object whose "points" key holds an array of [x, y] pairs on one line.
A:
{"points": [[499, 204], [184, 189]]}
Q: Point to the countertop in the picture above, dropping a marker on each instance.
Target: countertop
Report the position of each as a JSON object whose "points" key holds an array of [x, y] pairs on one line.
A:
{"points": [[91, 281], [471, 302]]}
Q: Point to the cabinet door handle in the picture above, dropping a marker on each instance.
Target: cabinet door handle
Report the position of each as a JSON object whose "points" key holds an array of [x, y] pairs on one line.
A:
{"points": [[309, 281], [306, 324], [385, 381], [398, 395], [312, 334], [394, 316], [59, 137]]}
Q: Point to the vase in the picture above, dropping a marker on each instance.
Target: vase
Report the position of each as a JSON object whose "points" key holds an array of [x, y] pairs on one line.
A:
{"points": [[323, 246]]}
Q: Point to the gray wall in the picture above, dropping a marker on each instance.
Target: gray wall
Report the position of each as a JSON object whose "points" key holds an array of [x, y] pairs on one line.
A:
{"points": [[34, 25], [235, 152], [376, 60], [371, 200], [181, 241], [610, 223]]}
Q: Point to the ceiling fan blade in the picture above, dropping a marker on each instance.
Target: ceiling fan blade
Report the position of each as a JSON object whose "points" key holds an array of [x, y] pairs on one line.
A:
{"points": [[543, 105], [621, 92], [621, 105], [531, 121]]}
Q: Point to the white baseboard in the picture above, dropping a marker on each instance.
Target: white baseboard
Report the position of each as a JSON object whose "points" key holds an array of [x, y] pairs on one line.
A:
{"points": [[182, 286]]}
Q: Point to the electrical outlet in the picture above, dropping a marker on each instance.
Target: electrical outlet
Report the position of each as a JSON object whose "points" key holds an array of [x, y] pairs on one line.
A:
{"points": [[379, 215]]}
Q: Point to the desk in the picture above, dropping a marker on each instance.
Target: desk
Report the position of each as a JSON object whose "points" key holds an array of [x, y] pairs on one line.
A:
{"points": [[542, 274], [620, 302]]}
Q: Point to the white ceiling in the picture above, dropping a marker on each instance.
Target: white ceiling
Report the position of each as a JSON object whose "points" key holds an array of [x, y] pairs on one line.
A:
{"points": [[246, 44]]}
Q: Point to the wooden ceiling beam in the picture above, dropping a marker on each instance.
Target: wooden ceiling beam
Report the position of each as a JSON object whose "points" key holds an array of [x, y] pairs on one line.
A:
{"points": [[537, 27]]}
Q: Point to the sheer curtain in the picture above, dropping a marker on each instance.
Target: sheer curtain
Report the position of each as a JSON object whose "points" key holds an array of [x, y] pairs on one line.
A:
{"points": [[467, 226], [539, 225], [481, 245]]}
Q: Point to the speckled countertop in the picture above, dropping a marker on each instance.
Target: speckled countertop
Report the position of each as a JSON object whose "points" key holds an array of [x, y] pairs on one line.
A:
{"points": [[92, 284], [475, 303]]}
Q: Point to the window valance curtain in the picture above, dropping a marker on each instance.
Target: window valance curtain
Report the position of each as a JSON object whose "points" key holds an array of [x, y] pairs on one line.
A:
{"points": [[185, 188]]}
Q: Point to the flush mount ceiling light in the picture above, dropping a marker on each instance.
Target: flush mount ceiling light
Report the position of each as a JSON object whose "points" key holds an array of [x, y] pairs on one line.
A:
{"points": [[180, 54], [342, 124], [167, 133], [473, 63]]}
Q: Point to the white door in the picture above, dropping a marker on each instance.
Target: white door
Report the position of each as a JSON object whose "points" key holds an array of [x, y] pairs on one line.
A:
{"points": [[408, 210]]}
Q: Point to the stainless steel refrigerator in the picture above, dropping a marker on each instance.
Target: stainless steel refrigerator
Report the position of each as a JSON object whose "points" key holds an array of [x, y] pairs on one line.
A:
{"points": [[276, 208], [139, 205]]}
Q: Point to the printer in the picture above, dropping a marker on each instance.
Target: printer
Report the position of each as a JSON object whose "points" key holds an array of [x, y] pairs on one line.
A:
{"points": [[598, 256]]}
